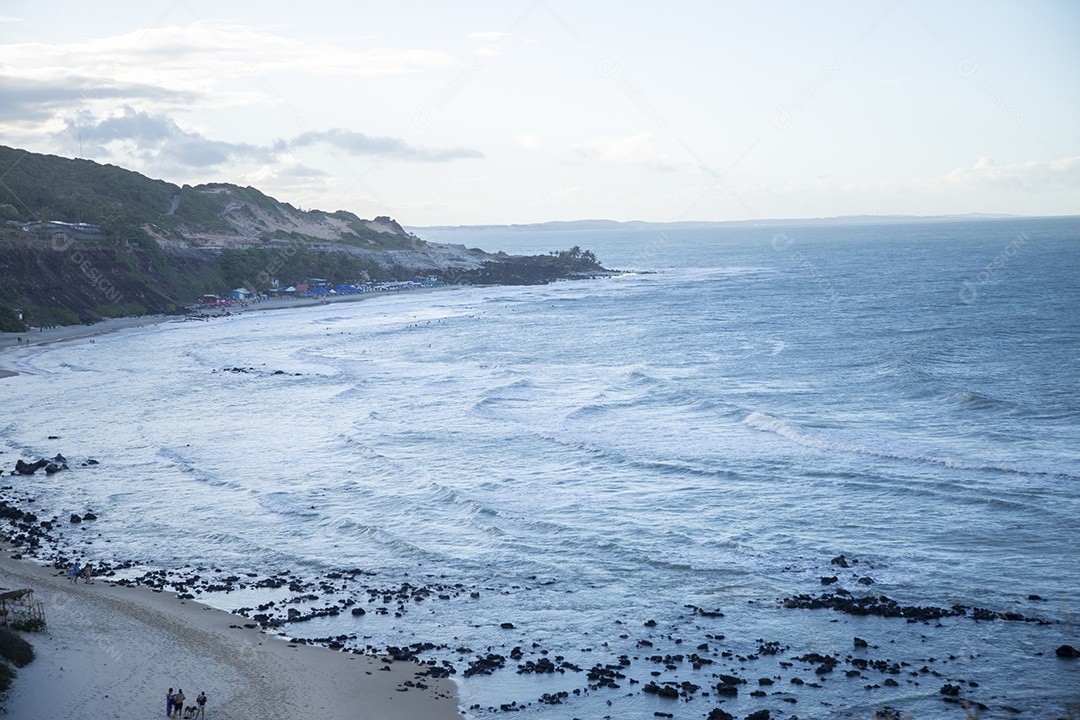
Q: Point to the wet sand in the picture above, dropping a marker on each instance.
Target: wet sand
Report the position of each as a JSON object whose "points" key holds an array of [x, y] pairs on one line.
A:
{"points": [[114, 651]]}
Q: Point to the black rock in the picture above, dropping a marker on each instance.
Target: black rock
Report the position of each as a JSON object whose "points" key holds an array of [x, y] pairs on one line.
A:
{"points": [[718, 714], [92, 461], [53, 468], [829, 580], [866, 581], [507, 626], [948, 689], [89, 516], [358, 612], [860, 643], [759, 715], [1067, 651], [840, 560], [75, 518], [661, 690], [25, 468]]}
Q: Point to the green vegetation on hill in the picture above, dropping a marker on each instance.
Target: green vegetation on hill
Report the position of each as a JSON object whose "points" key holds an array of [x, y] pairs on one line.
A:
{"points": [[15, 650], [123, 203], [60, 276], [534, 269], [256, 268], [56, 188], [576, 259]]}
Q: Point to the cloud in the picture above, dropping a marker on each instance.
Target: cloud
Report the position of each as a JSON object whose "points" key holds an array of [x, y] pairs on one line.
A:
{"points": [[529, 141], [636, 150], [1032, 175], [152, 136], [489, 37], [488, 43], [288, 172], [171, 67], [357, 143], [36, 100], [158, 138], [187, 54]]}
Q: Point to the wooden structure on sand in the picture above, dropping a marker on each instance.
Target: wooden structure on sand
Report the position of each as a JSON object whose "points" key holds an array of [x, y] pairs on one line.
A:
{"points": [[18, 608]]}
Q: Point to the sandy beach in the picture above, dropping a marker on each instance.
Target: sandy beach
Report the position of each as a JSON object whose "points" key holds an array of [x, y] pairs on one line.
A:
{"points": [[114, 651], [14, 345]]}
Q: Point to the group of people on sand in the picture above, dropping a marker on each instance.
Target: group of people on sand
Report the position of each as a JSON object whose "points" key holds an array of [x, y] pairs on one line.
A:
{"points": [[76, 572], [174, 705]]}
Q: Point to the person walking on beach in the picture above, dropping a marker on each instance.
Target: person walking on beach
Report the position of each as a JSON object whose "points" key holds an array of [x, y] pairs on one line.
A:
{"points": [[178, 703], [73, 574], [87, 573], [168, 703], [201, 702]]}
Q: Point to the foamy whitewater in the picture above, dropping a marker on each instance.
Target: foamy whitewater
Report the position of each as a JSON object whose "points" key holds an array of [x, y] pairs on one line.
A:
{"points": [[581, 458]]}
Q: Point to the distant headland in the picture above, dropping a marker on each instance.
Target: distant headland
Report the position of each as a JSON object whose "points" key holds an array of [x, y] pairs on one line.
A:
{"points": [[81, 241]]}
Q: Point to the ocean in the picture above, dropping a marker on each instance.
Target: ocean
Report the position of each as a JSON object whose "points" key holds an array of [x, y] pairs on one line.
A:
{"points": [[627, 475]]}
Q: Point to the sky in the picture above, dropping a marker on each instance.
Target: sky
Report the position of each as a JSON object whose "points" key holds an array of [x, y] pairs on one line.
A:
{"points": [[478, 112]]}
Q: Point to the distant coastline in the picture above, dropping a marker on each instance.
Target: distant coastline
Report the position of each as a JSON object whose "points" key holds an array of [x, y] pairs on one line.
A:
{"points": [[585, 225]]}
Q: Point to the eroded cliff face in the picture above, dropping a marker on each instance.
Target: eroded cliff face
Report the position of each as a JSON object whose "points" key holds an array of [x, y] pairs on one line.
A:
{"points": [[53, 279]]}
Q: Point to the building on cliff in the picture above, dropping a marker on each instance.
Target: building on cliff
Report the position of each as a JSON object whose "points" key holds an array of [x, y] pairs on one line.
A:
{"points": [[50, 229]]}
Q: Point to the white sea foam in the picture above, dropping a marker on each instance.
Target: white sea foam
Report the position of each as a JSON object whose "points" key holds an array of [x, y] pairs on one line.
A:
{"points": [[588, 452]]}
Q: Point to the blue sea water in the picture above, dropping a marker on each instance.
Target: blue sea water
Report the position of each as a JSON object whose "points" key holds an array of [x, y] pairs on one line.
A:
{"points": [[707, 429]]}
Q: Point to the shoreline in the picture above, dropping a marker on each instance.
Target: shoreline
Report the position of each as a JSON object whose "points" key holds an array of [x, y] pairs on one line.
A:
{"points": [[113, 650], [34, 339]]}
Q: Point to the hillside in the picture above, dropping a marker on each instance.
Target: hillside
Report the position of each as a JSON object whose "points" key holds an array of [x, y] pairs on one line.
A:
{"points": [[122, 202], [81, 240]]}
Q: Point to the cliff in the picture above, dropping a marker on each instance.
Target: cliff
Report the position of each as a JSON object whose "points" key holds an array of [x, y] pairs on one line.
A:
{"points": [[81, 240]]}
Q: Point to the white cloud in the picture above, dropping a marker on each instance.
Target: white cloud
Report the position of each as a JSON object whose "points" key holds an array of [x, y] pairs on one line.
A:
{"points": [[488, 43], [1031, 176], [357, 143], [636, 150], [288, 174], [488, 37], [159, 139], [32, 101], [180, 64], [529, 141], [153, 137]]}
